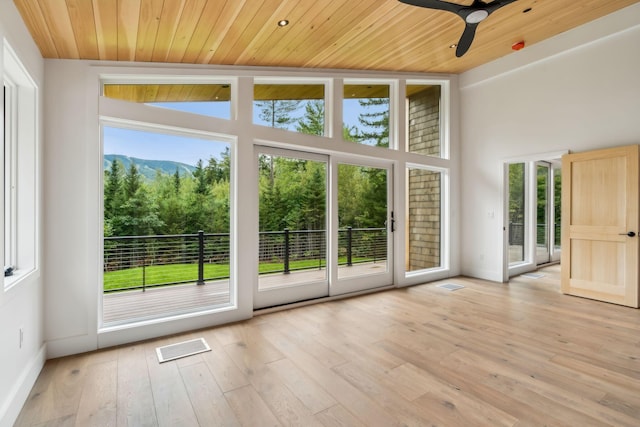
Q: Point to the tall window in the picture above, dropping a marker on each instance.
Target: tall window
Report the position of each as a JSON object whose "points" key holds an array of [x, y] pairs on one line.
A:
{"points": [[424, 219], [166, 222], [20, 173]]}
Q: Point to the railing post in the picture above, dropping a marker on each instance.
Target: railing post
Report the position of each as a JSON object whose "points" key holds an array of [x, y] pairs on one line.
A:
{"points": [[349, 243], [286, 251], [200, 257], [144, 269], [375, 246], [144, 265]]}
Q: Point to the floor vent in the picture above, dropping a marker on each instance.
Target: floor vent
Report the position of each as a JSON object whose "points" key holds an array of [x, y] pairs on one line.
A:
{"points": [[449, 286], [533, 275], [181, 349]]}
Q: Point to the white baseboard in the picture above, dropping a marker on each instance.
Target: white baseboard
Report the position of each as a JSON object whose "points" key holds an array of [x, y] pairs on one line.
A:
{"points": [[12, 406]]}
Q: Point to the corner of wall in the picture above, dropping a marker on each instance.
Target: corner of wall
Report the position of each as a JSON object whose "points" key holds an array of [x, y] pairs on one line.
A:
{"points": [[18, 395]]}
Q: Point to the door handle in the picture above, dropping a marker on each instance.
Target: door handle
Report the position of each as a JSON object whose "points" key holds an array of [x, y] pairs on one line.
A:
{"points": [[630, 234]]}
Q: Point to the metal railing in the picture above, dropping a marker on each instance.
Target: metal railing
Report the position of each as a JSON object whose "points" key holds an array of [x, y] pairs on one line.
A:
{"points": [[516, 233], [139, 262]]}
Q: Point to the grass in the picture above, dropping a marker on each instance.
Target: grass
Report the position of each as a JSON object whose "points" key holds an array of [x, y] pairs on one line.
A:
{"points": [[172, 273]]}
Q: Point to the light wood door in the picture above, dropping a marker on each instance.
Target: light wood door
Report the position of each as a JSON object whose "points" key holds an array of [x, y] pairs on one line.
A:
{"points": [[600, 225]]}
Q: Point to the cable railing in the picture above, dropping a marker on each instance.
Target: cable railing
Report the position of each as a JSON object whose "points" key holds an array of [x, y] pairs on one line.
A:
{"points": [[140, 262]]}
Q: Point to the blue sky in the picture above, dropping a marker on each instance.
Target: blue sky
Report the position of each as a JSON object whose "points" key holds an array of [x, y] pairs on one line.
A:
{"points": [[158, 146]]}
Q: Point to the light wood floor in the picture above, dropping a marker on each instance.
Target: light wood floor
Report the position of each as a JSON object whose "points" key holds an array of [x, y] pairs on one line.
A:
{"points": [[486, 355]]}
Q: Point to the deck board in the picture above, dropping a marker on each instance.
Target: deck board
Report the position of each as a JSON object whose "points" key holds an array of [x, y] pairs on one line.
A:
{"points": [[135, 305]]}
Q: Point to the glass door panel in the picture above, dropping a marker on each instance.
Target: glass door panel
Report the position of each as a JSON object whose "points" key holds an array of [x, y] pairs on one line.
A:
{"points": [[557, 212], [517, 213], [292, 227], [364, 221], [543, 253]]}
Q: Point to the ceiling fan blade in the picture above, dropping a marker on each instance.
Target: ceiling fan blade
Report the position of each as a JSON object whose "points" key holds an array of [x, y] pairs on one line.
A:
{"points": [[467, 38], [496, 4], [436, 4]]}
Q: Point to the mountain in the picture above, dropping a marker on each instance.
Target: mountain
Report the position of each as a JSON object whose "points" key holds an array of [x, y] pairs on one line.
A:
{"points": [[148, 168]]}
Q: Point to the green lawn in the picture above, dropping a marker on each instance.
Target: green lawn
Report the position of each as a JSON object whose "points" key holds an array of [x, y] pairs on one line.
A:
{"points": [[158, 274]]}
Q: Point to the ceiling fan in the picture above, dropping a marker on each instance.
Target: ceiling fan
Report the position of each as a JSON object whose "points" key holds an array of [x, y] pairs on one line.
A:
{"points": [[472, 15]]}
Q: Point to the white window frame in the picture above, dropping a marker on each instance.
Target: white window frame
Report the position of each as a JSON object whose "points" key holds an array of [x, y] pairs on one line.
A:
{"points": [[9, 161], [21, 230]]}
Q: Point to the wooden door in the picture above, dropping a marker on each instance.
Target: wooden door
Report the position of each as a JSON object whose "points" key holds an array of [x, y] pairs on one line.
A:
{"points": [[600, 225]]}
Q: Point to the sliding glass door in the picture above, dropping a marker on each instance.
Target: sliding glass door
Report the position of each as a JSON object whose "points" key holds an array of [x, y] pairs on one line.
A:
{"points": [[364, 226], [292, 251], [324, 226]]}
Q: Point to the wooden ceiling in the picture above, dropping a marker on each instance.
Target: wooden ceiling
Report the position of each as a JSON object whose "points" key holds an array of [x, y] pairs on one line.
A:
{"points": [[346, 34]]}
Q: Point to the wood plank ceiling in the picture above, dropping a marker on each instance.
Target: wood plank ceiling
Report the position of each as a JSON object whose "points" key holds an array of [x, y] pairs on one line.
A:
{"points": [[346, 34]]}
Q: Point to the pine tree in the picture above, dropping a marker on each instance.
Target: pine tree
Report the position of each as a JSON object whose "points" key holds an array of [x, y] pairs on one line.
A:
{"points": [[376, 122], [132, 181], [176, 182], [112, 191], [200, 178], [277, 112], [313, 121]]}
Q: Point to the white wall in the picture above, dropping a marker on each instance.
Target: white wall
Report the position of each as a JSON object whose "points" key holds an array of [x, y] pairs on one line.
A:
{"points": [[21, 306], [577, 91]]}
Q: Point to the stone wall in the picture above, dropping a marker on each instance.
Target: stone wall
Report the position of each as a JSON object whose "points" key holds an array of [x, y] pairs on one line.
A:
{"points": [[423, 243]]}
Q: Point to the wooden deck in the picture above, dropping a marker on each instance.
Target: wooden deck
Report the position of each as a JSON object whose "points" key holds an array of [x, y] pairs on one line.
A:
{"points": [[490, 354], [119, 307]]}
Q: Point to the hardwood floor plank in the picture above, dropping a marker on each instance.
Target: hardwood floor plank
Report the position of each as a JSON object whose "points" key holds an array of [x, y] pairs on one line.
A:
{"points": [[135, 398], [249, 408], [68, 421], [209, 404], [338, 416], [313, 396], [227, 375], [97, 405], [171, 400]]}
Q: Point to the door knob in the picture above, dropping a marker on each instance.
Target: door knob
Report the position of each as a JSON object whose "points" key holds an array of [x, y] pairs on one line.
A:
{"points": [[630, 234]]}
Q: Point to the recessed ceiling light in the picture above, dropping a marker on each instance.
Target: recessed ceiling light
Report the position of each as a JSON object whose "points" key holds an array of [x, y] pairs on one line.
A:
{"points": [[453, 46], [283, 23]]}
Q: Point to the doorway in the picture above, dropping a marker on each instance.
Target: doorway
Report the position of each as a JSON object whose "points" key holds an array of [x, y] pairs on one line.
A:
{"points": [[532, 213], [324, 226]]}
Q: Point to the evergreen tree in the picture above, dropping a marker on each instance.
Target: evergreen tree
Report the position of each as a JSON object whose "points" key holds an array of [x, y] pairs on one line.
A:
{"points": [[200, 177], [375, 122], [112, 191], [137, 214], [132, 181], [313, 121], [176, 182], [278, 113]]}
